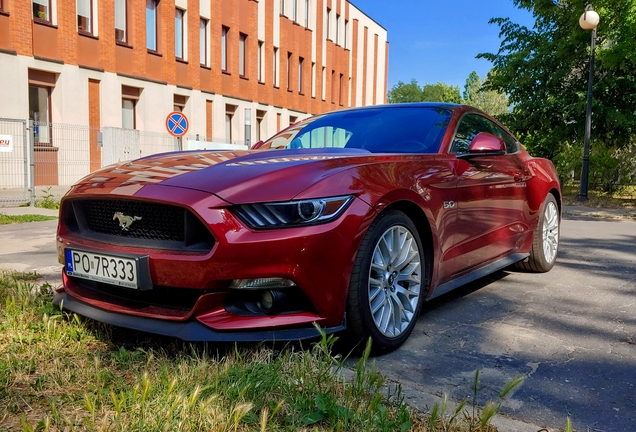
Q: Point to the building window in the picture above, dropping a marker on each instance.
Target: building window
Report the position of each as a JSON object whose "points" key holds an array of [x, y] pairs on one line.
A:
{"points": [[152, 7], [260, 116], [224, 35], [324, 83], [1, 5], [276, 62], [242, 58], [307, 13], [179, 102], [129, 98], [295, 10], [301, 62], [282, 7], [85, 16], [121, 21], [203, 42], [340, 90], [40, 112], [128, 113], [346, 35], [42, 10], [178, 33], [328, 31], [289, 60], [333, 86], [313, 79], [259, 59], [337, 29], [229, 122], [292, 120]]}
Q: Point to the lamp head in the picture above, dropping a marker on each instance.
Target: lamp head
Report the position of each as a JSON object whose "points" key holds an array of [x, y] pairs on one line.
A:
{"points": [[590, 19]]}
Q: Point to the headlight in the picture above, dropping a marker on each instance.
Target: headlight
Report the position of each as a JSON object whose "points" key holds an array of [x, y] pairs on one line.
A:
{"points": [[292, 213]]}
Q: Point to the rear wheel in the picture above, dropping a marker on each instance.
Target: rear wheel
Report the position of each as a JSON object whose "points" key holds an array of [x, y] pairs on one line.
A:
{"points": [[387, 283], [546, 239]]}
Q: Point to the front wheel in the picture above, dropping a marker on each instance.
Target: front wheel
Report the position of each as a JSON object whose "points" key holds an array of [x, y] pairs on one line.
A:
{"points": [[388, 283], [546, 239]]}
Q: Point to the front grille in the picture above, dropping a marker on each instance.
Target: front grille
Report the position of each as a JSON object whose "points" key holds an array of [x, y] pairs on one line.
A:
{"points": [[156, 221], [137, 223]]}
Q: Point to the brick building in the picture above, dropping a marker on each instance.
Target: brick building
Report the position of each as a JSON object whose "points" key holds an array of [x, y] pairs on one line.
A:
{"points": [[224, 63]]}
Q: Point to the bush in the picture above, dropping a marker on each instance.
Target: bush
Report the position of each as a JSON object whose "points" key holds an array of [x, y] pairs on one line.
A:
{"points": [[611, 169]]}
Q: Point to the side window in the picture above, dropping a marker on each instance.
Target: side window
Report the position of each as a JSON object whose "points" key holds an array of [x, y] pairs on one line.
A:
{"points": [[512, 146], [469, 126]]}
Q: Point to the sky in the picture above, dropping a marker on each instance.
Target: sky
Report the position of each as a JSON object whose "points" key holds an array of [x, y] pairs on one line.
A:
{"points": [[437, 41]]}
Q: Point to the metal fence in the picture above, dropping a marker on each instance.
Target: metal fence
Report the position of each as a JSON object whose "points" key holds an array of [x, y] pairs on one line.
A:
{"points": [[40, 160]]}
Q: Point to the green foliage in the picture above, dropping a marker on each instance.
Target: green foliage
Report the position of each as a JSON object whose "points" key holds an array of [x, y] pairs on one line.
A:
{"points": [[612, 170], [412, 92], [402, 92], [441, 92], [490, 101], [11, 219], [544, 71], [48, 201]]}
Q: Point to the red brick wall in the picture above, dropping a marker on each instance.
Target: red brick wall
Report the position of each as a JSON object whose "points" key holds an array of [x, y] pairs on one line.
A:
{"points": [[63, 43]]}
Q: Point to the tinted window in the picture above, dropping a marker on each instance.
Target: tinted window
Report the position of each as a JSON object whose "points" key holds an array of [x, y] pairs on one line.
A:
{"points": [[379, 130], [470, 125]]}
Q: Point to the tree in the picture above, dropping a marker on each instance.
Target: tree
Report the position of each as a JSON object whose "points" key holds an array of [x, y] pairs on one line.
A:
{"points": [[490, 101], [441, 92], [412, 92], [402, 92], [544, 72]]}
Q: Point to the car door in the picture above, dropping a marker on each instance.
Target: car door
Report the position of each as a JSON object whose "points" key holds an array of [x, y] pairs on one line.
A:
{"points": [[490, 195]]}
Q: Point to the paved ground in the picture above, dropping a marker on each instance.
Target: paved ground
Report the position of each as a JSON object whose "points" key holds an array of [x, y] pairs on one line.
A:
{"points": [[571, 332]]}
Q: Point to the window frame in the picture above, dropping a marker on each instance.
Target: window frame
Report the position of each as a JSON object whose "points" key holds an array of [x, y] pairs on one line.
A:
{"points": [[276, 62], [49, 12], [301, 61], [180, 44], [203, 42], [124, 40], [259, 59], [90, 19], [289, 66], [225, 31], [242, 55], [155, 27]]}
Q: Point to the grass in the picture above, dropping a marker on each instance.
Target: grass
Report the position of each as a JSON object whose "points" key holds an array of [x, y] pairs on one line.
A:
{"points": [[48, 201], [61, 372], [10, 219], [626, 199]]}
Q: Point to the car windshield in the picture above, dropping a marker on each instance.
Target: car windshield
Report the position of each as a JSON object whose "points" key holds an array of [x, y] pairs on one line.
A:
{"points": [[378, 130]]}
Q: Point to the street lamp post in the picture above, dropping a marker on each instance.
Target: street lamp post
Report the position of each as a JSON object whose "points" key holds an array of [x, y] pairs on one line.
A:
{"points": [[588, 21]]}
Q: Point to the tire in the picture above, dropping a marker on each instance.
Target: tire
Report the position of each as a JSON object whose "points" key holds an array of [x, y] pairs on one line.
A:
{"points": [[545, 244], [388, 283]]}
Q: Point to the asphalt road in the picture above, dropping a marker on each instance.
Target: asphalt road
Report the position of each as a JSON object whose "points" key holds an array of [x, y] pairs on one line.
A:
{"points": [[571, 332]]}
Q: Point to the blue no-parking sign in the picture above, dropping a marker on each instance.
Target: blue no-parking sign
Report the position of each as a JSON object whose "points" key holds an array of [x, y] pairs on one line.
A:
{"points": [[177, 124]]}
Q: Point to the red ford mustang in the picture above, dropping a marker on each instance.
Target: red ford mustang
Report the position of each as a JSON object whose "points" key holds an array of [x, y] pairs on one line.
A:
{"points": [[350, 220]]}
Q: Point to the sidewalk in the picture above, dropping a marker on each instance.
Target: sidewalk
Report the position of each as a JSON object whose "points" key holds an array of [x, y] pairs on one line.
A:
{"points": [[620, 213]]}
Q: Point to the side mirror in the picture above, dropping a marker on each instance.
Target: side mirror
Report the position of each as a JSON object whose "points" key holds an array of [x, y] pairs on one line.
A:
{"points": [[485, 144], [257, 145]]}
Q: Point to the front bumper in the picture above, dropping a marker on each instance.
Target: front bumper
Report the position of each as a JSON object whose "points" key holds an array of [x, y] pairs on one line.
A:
{"points": [[189, 331]]}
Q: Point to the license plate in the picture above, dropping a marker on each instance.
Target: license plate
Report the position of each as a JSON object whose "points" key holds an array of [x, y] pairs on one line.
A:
{"points": [[111, 269]]}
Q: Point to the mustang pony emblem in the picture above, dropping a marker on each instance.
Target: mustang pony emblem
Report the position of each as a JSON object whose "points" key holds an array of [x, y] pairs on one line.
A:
{"points": [[125, 221]]}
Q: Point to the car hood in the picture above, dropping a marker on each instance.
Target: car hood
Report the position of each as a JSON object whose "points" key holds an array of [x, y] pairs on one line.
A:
{"points": [[235, 176]]}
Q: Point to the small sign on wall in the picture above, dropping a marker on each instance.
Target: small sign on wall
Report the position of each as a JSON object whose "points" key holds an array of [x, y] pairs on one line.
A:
{"points": [[6, 143]]}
